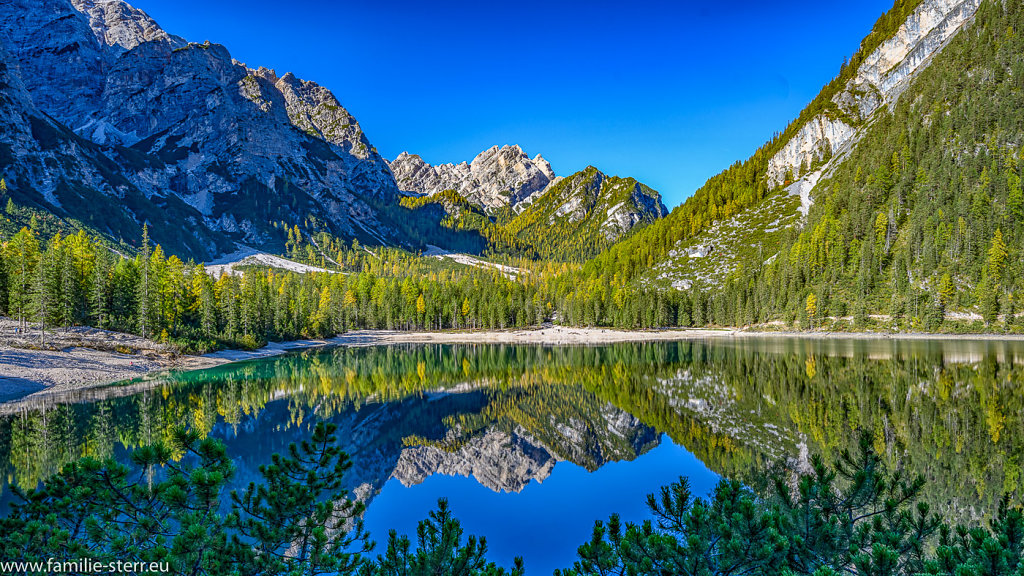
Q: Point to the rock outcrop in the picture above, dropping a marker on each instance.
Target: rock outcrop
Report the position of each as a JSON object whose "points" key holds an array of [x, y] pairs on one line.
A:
{"points": [[496, 177], [879, 81], [134, 123]]}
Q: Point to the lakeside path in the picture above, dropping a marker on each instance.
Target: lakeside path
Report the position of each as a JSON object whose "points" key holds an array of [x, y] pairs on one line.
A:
{"points": [[91, 358]]}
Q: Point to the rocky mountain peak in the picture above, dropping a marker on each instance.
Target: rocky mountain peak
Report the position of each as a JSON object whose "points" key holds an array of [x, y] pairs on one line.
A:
{"points": [[118, 24], [498, 176], [179, 127]]}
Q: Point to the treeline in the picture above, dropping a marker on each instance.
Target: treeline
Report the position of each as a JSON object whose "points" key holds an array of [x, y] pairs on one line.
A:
{"points": [[75, 280]]}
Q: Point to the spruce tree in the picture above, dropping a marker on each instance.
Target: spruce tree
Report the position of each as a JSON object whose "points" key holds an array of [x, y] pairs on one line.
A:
{"points": [[41, 297], [144, 288], [68, 287], [98, 297]]}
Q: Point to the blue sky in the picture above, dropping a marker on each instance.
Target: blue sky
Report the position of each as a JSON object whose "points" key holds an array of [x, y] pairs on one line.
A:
{"points": [[668, 92]]}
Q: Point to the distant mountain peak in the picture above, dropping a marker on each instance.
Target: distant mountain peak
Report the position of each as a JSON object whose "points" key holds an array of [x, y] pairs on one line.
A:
{"points": [[499, 176]]}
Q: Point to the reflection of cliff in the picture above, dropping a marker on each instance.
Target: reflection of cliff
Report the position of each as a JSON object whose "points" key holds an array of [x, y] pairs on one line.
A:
{"points": [[508, 461], [497, 460], [408, 440], [504, 414]]}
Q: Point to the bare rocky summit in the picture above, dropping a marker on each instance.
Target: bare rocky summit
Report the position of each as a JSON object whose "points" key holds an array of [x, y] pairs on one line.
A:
{"points": [[496, 177]]}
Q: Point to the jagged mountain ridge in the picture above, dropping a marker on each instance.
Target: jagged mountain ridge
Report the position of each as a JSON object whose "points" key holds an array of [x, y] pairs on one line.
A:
{"points": [[571, 218], [495, 178], [131, 124]]}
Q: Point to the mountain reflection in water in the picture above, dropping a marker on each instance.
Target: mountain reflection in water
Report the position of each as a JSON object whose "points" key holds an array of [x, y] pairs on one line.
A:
{"points": [[558, 434]]}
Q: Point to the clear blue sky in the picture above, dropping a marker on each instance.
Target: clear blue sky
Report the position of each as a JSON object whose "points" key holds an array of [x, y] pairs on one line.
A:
{"points": [[668, 92]]}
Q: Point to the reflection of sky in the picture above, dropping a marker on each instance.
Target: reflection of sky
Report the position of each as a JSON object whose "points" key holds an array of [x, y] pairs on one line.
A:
{"points": [[545, 523]]}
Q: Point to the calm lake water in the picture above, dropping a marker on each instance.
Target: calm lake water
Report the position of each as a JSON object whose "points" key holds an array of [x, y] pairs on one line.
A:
{"points": [[531, 444]]}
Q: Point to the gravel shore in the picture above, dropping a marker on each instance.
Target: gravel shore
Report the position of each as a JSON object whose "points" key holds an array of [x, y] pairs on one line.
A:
{"points": [[83, 358]]}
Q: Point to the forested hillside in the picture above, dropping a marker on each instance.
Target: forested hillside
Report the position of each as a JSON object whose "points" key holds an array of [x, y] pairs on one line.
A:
{"points": [[920, 223], [926, 216], [573, 220]]}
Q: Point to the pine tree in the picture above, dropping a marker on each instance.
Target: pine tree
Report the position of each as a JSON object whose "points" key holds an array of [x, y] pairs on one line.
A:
{"points": [[946, 292], [41, 300], [3, 285], [22, 253], [68, 286], [991, 285]]}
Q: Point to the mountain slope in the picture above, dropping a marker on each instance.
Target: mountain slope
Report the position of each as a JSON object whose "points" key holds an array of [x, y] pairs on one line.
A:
{"points": [[136, 122], [571, 219], [903, 43], [579, 216], [924, 219]]}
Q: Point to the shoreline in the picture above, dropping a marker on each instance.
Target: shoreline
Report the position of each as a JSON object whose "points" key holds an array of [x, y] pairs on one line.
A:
{"points": [[30, 374]]}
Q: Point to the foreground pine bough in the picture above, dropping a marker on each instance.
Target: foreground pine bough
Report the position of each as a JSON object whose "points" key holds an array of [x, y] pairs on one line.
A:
{"points": [[854, 518]]}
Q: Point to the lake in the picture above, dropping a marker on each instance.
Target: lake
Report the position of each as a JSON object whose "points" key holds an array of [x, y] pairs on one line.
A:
{"points": [[531, 444]]}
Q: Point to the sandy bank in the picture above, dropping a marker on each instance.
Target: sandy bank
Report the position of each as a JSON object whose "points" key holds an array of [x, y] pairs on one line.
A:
{"points": [[78, 358], [84, 358], [25, 372]]}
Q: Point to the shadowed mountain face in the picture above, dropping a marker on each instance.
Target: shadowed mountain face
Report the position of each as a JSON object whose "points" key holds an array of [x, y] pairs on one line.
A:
{"points": [[111, 121]]}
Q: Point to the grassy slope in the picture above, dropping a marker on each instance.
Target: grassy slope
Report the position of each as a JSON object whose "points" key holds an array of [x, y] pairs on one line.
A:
{"points": [[571, 220]]}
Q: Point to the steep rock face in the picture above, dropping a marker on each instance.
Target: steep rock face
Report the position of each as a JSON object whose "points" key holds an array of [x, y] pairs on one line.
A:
{"points": [[121, 26], [47, 165], [879, 81], [240, 147], [496, 177]]}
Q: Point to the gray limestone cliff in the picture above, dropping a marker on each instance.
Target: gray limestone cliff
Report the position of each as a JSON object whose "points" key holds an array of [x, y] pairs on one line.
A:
{"points": [[132, 124], [878, 82], [496, 177]]}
